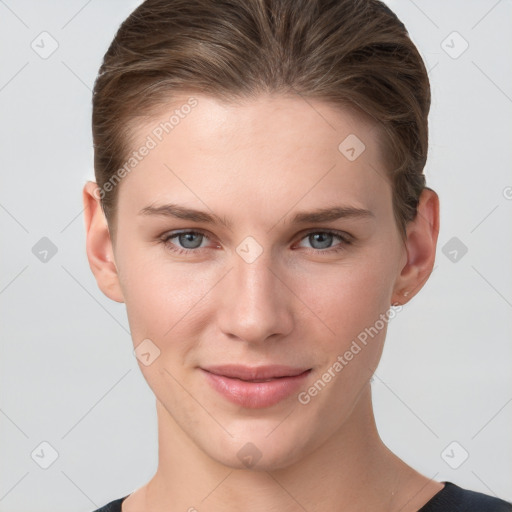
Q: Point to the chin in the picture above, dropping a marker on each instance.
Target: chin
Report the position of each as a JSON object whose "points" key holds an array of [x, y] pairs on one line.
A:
{"points": [[261, 461], [260, 449]]}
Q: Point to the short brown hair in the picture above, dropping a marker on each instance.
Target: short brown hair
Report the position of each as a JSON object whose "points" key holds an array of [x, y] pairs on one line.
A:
{"points": [[353, 53]]}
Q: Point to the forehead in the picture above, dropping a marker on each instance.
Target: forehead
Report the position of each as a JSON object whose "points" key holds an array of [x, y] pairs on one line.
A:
{"points": [[264, 152]]}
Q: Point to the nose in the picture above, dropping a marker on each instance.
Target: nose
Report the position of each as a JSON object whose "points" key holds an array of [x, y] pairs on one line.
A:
{"points": [[254, 301]]}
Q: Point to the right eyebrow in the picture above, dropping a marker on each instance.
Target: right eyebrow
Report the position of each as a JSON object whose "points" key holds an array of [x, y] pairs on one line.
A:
{"points": [[182, 212]]}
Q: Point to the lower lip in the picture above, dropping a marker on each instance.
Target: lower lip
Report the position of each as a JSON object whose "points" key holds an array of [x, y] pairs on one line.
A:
{"points": [[256, 395]]}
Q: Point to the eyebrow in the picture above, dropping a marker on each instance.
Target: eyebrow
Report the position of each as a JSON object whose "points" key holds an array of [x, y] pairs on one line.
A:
{"points": [[330, 214], [314, 216], [182, 212]]}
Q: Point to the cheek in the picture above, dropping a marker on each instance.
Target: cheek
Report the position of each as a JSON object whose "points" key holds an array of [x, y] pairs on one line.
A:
{"points": [[160, 308], [351, 297], [160, 295], [356, 309]]}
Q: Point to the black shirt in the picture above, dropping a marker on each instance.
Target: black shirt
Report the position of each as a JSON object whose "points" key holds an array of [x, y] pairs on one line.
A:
{"points": [[451, 498]]}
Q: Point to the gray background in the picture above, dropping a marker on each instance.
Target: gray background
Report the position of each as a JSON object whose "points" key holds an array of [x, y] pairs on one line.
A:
{"points": [[68, 374]]}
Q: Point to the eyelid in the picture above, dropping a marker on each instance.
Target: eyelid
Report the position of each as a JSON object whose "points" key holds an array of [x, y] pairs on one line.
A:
{"points": [[165, 237], [346, 240], [342, 234]]}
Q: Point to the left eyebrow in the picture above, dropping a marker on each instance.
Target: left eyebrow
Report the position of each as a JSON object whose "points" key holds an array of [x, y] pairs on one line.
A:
{"points": [[330, 214]]}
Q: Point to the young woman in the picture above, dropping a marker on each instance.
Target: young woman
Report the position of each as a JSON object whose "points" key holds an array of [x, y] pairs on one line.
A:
{"points": [[260, 206]]}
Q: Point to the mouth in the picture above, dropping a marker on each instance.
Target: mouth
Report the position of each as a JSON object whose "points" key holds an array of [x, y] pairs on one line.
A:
{"points": [[255, 387]]}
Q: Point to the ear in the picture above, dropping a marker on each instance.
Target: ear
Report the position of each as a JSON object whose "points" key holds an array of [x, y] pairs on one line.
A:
{"points": [[421, 243], [99, 248]]}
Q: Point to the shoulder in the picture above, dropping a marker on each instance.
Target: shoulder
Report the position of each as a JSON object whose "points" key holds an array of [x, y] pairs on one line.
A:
{"points": [[113, 506], [453, 498]]}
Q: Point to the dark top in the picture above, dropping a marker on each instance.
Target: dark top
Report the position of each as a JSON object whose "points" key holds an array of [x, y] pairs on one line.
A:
{"points": [[451, 498]]}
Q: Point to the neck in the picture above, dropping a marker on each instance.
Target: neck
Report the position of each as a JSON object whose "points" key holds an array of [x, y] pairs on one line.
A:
{"points": [[353, 470]]}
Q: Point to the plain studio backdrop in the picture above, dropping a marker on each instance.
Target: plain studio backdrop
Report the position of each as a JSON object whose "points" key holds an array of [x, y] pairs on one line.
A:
{"points": [[77, 419]]}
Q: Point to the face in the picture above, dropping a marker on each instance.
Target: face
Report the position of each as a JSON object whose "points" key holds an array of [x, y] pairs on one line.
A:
{"points": [[253, 289]]}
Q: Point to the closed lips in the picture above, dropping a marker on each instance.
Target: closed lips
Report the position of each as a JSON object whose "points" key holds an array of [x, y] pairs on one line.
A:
{"points": [[255, 387], [256, 374]]}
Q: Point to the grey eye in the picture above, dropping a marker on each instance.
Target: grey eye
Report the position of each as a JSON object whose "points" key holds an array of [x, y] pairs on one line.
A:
{"points": [[323, 239], [187, 239]]}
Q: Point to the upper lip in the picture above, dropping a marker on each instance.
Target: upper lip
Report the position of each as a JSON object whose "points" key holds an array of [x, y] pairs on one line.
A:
{"points": [[255, 372]]}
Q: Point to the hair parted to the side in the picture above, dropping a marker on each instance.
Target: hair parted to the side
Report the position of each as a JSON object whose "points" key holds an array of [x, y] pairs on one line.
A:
{"points": [[351, 53]]}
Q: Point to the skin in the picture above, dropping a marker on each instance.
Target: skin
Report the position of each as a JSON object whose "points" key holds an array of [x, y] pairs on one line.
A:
{"points": [[257, 163]]}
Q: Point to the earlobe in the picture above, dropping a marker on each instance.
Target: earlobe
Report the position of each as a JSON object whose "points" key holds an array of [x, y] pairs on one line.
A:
{"points": [[99, 244], [421, 243]]}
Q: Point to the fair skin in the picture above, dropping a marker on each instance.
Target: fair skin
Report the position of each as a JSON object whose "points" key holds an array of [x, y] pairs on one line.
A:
{"points": [[257, 163]]}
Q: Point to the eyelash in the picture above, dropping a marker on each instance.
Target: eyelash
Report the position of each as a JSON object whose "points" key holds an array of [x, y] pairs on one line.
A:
{"points": [[346, 240]]}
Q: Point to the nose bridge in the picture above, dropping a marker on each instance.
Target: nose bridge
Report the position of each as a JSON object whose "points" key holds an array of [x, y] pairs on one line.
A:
{"points": [[254, 305]]}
